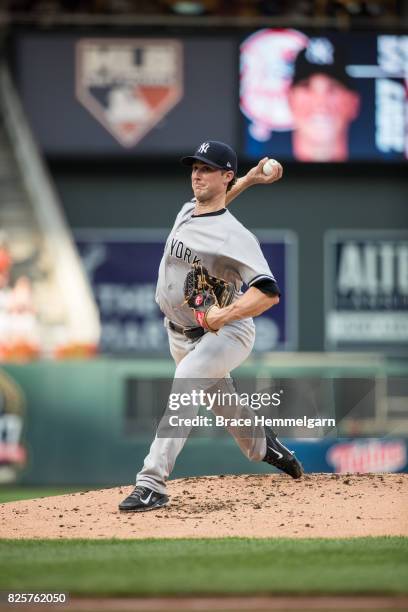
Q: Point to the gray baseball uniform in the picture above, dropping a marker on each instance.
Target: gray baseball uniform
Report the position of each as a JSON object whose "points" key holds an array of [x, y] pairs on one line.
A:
{"points": [[229, 251]]}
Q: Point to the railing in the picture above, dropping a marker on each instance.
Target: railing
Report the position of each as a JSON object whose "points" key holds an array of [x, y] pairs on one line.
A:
{"points": [[388, 21]]}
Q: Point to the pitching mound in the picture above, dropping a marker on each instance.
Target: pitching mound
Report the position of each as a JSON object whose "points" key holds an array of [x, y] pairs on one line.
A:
{"points": [[262, 506]]}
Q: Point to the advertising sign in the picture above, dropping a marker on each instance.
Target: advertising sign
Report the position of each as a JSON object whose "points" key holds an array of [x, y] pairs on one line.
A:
{"points": [[127, 97], [277, 328], [13, 452], [122, 266], [364, 456], [366, 289]]}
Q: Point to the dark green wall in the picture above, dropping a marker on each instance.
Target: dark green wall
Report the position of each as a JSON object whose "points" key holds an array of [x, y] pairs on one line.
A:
{"points": [[75, 428], [308, 201], [76, 425]]}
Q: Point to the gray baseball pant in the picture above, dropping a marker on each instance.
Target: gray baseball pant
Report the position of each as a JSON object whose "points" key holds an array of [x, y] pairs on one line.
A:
{"points": [[213, 356]]}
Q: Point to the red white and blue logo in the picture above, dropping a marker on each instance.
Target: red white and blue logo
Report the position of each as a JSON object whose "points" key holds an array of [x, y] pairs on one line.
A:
{"points": [[129, 85], [371, 455]]}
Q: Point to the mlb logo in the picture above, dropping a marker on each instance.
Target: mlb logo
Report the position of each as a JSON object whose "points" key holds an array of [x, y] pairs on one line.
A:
{"points": [[129, 85]]}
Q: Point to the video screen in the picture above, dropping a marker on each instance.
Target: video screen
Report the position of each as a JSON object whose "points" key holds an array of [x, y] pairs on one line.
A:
{"points": [[324, 98]]}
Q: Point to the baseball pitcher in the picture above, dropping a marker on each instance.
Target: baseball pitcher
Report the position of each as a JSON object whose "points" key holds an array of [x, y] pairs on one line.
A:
{"points": [[208, 257]]}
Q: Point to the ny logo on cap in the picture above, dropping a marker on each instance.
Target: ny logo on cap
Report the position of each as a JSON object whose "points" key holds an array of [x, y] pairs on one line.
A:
{"points": [[320, 51], [204, 147]]}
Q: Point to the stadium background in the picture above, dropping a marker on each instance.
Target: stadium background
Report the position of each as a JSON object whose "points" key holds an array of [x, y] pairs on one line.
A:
{"points": [[81, 417]]}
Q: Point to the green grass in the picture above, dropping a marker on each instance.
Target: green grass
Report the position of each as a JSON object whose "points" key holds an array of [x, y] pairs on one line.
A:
{"points": [[225, 566], [8, 494]]}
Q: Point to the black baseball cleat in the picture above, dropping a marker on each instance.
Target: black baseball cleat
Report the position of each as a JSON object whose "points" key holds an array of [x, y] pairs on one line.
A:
{"points": [[280, 456], [142, 499]]}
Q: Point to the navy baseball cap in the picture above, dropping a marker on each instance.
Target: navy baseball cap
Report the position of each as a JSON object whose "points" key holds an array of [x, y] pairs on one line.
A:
{"points": [[321, 57], [214, 153]]}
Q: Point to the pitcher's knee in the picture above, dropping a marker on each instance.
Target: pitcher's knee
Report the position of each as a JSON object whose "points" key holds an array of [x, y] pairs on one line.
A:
{"points": [[256, 456], [188, 369], [258, 450]]}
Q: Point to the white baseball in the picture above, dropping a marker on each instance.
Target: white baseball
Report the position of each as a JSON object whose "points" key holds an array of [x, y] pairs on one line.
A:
{"points": [[268, 167]]}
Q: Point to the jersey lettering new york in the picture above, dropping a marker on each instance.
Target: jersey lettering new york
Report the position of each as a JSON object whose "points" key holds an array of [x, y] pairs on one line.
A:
{"points": [[221, 244], [179, 250]]}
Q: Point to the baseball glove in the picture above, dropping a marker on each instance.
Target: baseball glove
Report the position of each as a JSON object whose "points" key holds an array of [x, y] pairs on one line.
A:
{"points": [[203, 291]]}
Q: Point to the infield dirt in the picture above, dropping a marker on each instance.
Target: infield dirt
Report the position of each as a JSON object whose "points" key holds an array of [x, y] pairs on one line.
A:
{"points": [[262, 506]]}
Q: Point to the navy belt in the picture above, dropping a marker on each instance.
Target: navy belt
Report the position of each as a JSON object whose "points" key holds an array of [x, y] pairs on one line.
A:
{"points": [[192, 333]]}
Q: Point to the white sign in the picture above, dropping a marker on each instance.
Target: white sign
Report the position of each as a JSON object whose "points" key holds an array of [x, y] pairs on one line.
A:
{"points": [[366, 288]]}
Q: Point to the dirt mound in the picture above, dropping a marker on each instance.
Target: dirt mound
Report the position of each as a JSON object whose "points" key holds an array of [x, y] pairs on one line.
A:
{"points": [[318, 505]]}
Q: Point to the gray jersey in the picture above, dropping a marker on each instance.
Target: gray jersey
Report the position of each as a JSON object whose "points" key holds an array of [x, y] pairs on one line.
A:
{"points": [[217, 240]]}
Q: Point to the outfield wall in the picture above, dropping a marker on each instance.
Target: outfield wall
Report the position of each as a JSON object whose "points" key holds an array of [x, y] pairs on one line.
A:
{"points": [[80, 426]]}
